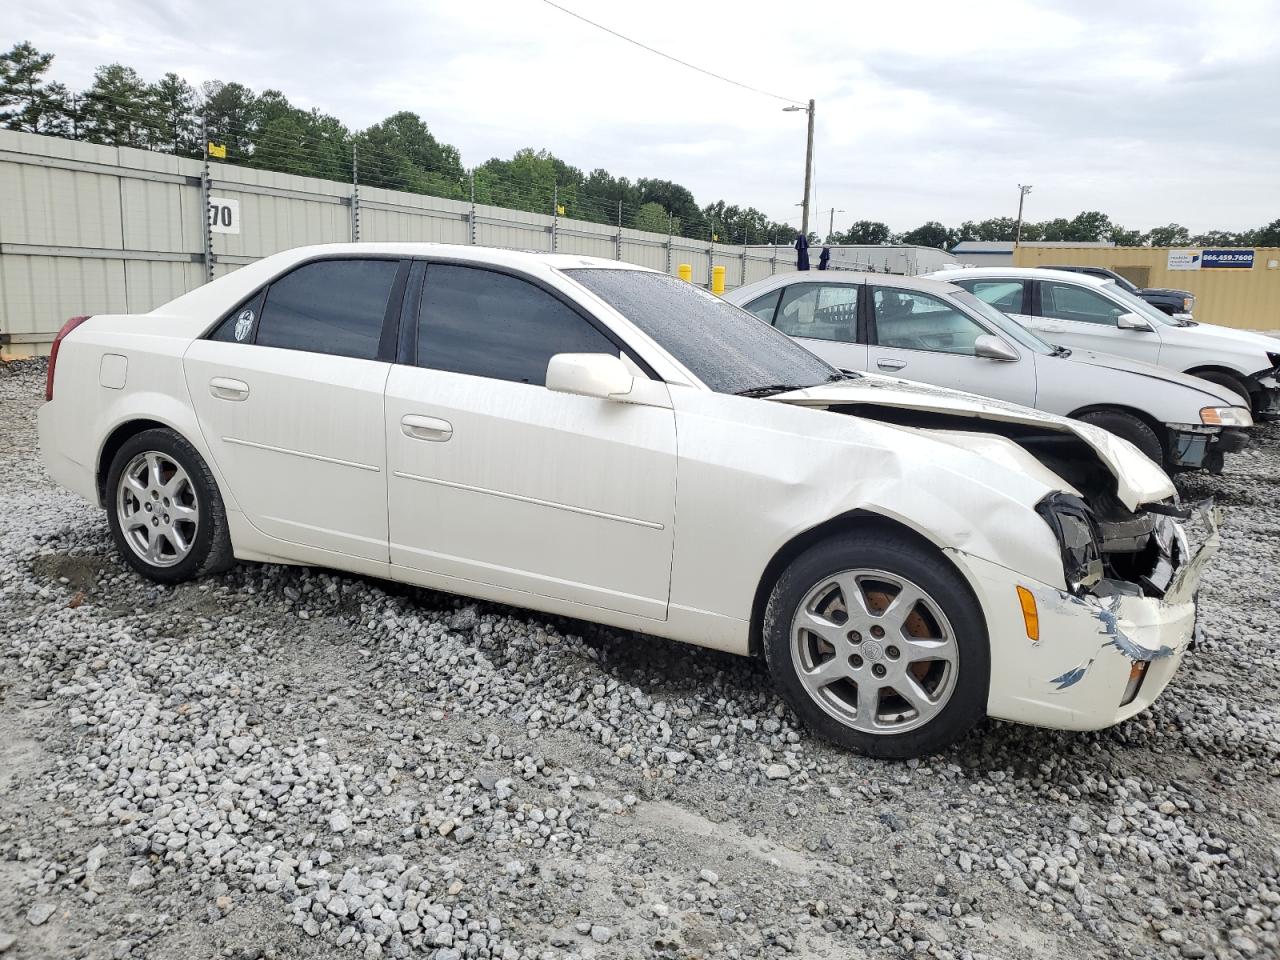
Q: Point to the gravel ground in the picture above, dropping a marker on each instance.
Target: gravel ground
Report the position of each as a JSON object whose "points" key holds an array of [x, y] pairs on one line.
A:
{"points": [[283, 762]]}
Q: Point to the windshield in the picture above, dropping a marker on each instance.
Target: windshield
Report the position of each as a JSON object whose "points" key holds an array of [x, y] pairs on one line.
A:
{"points": [[1137, 304], [1004, 323], [725, 347]]}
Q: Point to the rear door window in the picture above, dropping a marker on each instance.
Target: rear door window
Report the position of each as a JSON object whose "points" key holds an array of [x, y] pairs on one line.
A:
{"points": [[1005, 295], [336, 307]]}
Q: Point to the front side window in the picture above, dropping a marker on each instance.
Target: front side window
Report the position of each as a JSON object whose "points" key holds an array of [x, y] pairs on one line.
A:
{"points": [[327, 306], [724, 346], [1066, 301], [1004, 295], [820, 311], [489, 324], [912, 320]]}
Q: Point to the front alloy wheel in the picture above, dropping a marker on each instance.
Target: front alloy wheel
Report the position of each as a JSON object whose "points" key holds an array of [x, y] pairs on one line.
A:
{"points": [[874, 650], [878, 643]]}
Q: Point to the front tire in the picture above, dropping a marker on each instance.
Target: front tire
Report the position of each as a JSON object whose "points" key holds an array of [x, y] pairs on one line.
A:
{"points": [[1130, 428], [164, 510], [879, 645]]}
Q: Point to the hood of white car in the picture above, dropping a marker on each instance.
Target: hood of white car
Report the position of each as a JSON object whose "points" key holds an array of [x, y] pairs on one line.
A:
{"points": [[1211, 334], [1138, 480], [1222, 395]]}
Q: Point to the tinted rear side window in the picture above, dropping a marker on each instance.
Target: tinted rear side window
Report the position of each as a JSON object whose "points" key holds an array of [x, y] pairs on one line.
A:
{"points": [[489, 324], [329, 306]]}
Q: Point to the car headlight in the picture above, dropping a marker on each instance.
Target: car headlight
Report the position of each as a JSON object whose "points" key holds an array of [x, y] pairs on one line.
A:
{"points": [[1226, 417], [1073, 524]]}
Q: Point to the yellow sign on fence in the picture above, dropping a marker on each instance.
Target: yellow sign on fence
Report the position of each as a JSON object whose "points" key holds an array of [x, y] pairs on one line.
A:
{"points": [[218, 150]]}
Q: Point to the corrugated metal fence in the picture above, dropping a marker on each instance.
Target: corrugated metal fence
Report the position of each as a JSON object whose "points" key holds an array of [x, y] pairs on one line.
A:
{"points": [[93, 229]]}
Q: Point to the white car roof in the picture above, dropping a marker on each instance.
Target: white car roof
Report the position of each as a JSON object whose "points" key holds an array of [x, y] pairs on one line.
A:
{"points": [[1028, 273], [210, 298], [924, 284]]}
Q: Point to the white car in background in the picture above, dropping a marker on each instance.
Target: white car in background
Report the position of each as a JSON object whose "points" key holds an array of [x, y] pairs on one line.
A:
{"points": [[511, 426], [1093, 313], [939, 333]]}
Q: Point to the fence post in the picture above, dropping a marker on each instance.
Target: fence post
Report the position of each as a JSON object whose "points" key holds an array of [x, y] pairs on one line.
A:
{"points": [[205, 186], [711, 260], [671, 222], [744, 260], [555, 216], [355, 194], [617, 243], [773, 260], [471, 217]]}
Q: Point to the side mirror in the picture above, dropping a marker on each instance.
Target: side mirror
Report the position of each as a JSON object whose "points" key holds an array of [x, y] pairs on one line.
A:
{"points": [[599, 375], [1133, 321], [993, 348]]}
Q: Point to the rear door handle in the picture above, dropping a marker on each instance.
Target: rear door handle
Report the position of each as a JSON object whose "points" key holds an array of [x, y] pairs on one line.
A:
{"points": [[224, 388], [890, 364], [425, 428]]}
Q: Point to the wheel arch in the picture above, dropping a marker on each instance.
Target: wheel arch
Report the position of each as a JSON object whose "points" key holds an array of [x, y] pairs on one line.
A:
{"points": [[852, 522], [1246, 379], [1158, 427], [130, 424]]}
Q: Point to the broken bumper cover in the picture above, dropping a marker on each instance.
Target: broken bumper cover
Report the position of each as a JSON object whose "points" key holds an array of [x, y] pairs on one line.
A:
{"points": [[1079, 675], [1193, 447]]}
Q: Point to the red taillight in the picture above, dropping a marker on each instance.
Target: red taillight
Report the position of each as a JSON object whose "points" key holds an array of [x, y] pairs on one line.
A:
{"points": [[53, 353]]}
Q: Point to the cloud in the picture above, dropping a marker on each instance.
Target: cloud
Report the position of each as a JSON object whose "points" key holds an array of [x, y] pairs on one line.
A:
{"points": [[1150, 110]]}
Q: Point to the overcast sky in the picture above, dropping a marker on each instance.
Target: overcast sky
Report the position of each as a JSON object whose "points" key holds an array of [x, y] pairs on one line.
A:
{"points": [[1149, 110]]}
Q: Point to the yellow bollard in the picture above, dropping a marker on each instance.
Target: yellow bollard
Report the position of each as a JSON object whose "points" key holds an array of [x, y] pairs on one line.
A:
{"points": [[717, 281], [685, 272]]}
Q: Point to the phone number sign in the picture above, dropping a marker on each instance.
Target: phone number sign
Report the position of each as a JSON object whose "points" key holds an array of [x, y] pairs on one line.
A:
{"points": [[1211, 259], [1226, 259]]}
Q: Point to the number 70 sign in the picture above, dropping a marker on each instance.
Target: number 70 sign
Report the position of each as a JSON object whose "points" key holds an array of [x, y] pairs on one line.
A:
{"points": [[224, 215]]}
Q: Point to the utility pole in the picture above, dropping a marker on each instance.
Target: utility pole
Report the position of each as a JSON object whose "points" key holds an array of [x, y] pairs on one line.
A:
{"points": [[808, 166], [1023, 190], [831, 224]]}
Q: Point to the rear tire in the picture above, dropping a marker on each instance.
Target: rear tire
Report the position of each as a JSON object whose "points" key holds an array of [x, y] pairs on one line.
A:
{"points": [[1232, 383], [1130, 428], [164, 510], [900, 670]]}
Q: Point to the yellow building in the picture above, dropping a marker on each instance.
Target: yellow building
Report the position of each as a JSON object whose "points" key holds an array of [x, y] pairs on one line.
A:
{"points": [[1246, 297]]}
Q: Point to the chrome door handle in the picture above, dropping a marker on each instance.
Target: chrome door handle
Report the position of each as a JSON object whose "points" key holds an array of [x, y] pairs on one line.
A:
{"points": [[425, 428], [224, 388], [891, 364]]}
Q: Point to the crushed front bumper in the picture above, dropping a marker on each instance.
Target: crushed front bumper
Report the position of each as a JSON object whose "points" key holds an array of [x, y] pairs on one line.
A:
{"points": [[1195, 447], [1100, 657]]}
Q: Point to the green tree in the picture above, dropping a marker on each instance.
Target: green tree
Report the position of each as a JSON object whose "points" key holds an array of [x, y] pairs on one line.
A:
{"points": [[229, 117], [117, 109], [401, 153], [1172, 235], [1089, 226], [1268, 236], [27, 102], [177, 127], [653, 217], [865, 232], [931, 234], [1123, 237]]}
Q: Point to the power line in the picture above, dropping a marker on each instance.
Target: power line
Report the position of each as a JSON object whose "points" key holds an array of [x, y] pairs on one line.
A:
{"points": [[667, 56]]}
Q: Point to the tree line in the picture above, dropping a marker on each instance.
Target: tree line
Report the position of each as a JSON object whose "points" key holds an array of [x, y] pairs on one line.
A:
{"points": [[1089, 226], [265, 130]]}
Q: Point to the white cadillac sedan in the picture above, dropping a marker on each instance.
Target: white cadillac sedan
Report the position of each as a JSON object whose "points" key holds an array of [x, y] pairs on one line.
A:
{"points": [[606, 442], [1093, 313], [943, 334]]}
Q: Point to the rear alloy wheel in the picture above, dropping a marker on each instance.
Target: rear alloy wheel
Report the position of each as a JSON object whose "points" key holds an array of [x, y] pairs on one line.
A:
{"points": [[879, 646], [164, 510]]}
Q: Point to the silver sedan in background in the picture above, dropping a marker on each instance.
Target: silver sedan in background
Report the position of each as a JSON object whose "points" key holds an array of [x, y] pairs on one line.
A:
{"points": [[939, 333]]}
